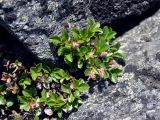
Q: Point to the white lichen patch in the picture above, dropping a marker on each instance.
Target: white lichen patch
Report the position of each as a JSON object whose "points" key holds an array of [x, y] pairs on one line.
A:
{"points": [[126, 76]]}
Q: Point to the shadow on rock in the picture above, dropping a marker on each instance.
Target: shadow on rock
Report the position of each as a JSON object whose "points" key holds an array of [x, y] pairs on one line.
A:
{"points": [[11, 49]]}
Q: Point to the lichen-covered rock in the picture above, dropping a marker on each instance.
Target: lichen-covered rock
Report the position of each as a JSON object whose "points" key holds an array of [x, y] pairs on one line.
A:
{"points": [[137, 96], [32, 21]]}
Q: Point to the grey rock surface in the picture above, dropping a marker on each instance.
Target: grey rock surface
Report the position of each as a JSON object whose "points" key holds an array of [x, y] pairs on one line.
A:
{"points": [[32, 21], [137, 96]]}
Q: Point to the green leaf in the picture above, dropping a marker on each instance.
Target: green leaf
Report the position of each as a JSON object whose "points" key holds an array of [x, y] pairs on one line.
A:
{"points": [[44, 93], [56, 76], [60, 74], [60, 113], [93, 26], [114, 74], [117, 46], [25, 107], [36, 118], [102, 65], [53, 96], [46, 69], [108, 59], [95, 70], [87, 72], [75, 34], [64, 50], [39, 67], [101, 45], [75, 103], [107, 74], [71, 98], [83, 50], [76, 93], [30, 93], [108, 34], [23, 99], [2, 100], [25, 82], [76, 83], [56, 103], [80, 64], [18, 63], [9, 103], [65, 88], [69, 106], [69, 57], [43, 96], [38, 112], [97, 62], [87, 56], [35, 73], [116, 71], [61, 51], [84, 34], [55, 39], [113, 50], [91, 21], [119, 54], [27, 93], [114, 78], [55, 79], [64, 34], [83, 87], [80, 101]]}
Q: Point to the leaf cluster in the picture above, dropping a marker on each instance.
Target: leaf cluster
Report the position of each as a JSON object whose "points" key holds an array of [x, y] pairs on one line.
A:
{"points": [[53, 91], [42, 90], [91, 48]]}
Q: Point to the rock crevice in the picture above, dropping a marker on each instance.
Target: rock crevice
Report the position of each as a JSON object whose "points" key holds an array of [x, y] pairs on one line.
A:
{"points": [[32, 21], [137, 96]]}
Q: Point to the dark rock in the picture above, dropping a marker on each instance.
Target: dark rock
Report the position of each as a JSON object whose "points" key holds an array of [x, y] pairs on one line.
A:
{"points": [[32, 21], [137, 96], [11, 50]]}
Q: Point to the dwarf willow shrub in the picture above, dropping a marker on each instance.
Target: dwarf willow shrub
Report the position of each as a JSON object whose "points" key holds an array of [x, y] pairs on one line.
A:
{"points": [[45, 91], [40, 90], [91, 48]]}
